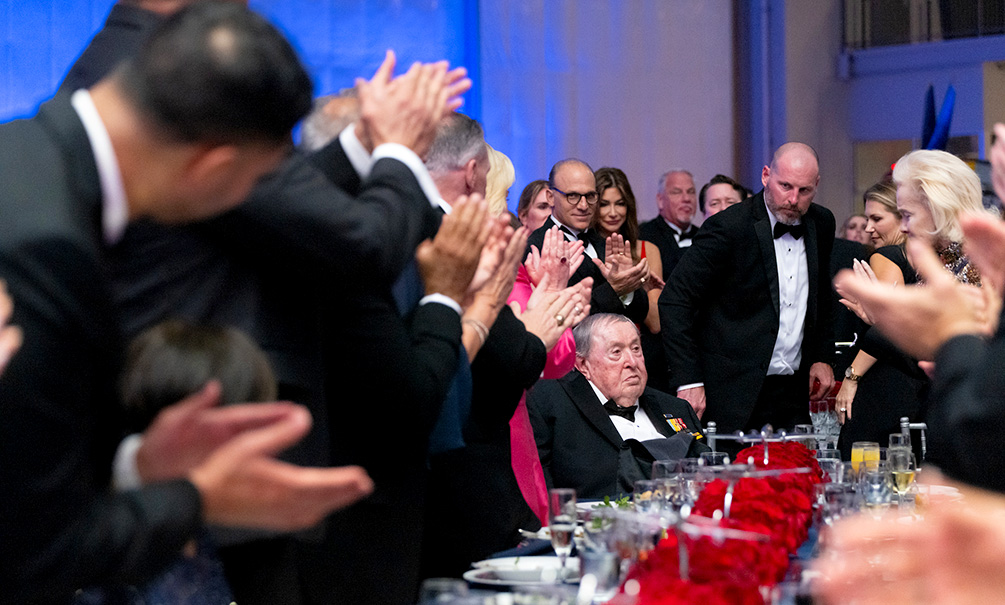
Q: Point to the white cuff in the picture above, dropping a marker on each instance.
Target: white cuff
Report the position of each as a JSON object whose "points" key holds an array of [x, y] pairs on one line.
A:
{"points": [[125, 475], [443, 299], [407, 157], [354, 150], [627, 298], [693, 385]]}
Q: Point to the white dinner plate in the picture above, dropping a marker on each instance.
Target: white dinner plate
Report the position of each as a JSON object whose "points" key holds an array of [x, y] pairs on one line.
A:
{"points": [[520, 571]]}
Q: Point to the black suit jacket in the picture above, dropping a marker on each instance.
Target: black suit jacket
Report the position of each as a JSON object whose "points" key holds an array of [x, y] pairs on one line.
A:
{"points": [[61, 528], [603, 299], [122, 36], [719, 310], [303, 266], [579, 445], [658, 232], [847, 325], [965, 420]]}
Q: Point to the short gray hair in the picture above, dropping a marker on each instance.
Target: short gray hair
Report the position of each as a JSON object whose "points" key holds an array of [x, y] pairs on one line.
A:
{"points": [[459, 139], [583, 333], [661, 185]]}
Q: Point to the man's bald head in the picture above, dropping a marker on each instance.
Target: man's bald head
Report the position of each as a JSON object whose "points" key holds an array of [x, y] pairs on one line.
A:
{"points": [[796, 152], [569, 180]]}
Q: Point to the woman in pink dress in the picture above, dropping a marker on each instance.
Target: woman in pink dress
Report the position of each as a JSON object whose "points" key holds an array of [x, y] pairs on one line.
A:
{"points": [[545, 270]]}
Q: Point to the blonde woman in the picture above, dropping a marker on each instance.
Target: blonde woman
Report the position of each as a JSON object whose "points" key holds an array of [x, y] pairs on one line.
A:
{"points": [[933, 189]]}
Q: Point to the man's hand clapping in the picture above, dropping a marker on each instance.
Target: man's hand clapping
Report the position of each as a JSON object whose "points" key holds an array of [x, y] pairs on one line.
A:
{"points": [[449, 262], [407, 109], [10, 336]]}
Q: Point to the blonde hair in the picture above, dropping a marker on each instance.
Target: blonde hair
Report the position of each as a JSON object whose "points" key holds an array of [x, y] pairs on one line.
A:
{"points": [[498, 181], [946, 185]]}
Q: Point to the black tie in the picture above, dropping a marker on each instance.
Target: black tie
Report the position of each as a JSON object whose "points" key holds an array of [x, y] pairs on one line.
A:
{"points": [[687, 234], [797, 231], [581, 237], [614, 409]]}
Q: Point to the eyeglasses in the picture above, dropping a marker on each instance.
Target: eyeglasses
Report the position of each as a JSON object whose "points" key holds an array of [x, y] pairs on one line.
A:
{"points": [[573, 197]]}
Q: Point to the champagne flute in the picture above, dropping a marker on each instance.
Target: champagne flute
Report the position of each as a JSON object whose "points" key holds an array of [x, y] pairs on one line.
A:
{"points": [[902, 466], [562, 524]]}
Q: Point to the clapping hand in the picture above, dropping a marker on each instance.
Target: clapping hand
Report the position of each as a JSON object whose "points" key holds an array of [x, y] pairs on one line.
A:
{"points": [[864, 272], [919, 319], [556, 262], [550, 313], [617, 267], [408, 109], [498, 286], [229, 455], [449, 261], [10, 336]]}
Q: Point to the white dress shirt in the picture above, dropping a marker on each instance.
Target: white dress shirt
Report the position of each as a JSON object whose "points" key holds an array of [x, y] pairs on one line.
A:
{"points": [[641, 430], [574, 236], [677, 232], [793, 297], [114, 211], [363, 162]]}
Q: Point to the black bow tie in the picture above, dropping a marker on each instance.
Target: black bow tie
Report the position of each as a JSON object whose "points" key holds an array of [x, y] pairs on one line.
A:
{"points": [[581, 237], [797, 231], [614, 409], [686, 234]]}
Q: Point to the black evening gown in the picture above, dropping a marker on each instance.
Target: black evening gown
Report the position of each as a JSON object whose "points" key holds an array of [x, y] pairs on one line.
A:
{"points": [[892, 388]]}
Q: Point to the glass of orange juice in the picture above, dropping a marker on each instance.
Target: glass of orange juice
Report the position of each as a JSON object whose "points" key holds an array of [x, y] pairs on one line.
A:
{"points": [[864, 452]]}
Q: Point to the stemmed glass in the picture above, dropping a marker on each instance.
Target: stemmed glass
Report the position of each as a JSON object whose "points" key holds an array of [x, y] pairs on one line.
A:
{"points": [[902, 466], [562, 523]]}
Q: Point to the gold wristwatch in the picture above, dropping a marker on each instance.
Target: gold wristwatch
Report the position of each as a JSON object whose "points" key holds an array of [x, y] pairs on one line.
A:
{"points": [[849, 374]]}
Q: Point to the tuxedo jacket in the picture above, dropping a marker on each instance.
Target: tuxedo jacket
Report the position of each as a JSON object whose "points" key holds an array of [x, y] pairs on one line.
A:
{"points": [[719, 310], [303, 266], [578, 443], [660, 233], [61, 527], [603, 299]]}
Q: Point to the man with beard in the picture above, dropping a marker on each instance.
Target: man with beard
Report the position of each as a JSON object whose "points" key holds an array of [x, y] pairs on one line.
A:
{"points": [[747, 313]]}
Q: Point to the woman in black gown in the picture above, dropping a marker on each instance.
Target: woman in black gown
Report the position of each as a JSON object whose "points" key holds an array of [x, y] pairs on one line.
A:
{"points": [[882, 384]]}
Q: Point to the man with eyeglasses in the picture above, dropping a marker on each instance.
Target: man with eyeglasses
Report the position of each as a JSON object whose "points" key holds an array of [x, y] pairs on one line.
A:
{"points": [[617, 281]]}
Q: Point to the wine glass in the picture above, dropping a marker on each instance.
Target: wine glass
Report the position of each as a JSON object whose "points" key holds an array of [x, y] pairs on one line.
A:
{"points": [[902, 466], [562, 523]]}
